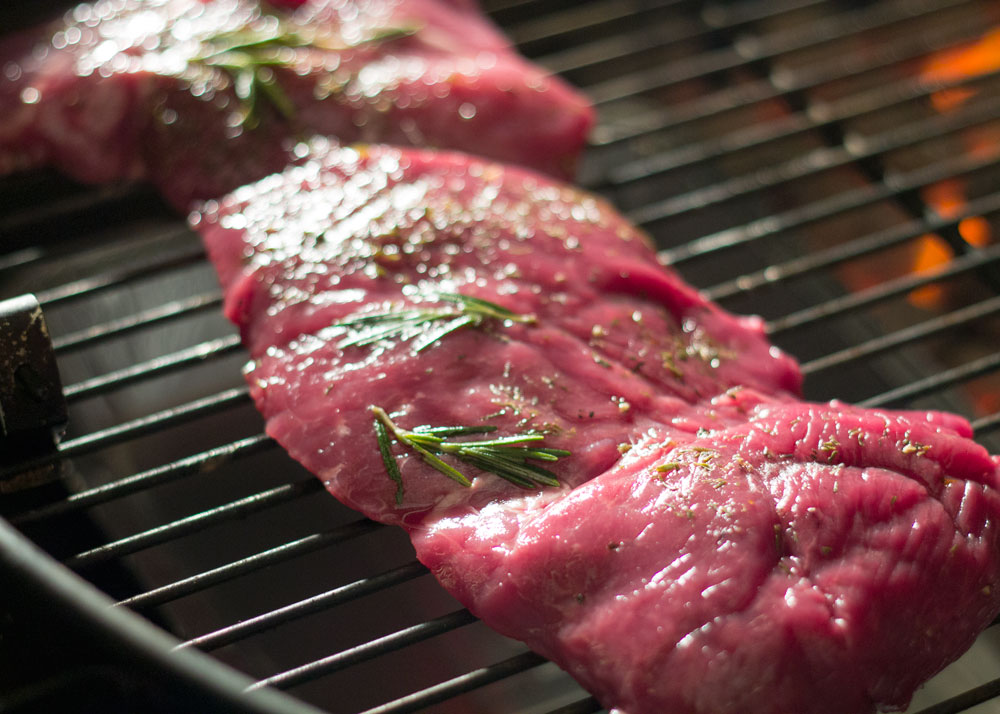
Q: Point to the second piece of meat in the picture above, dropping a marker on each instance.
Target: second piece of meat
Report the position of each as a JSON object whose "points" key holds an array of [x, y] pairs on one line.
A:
{"points": [[199, 97]]}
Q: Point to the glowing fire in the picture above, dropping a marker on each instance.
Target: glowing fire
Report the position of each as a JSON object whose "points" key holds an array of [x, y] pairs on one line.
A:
{"points": [[932, 251], [972, 60], [947, 198]]}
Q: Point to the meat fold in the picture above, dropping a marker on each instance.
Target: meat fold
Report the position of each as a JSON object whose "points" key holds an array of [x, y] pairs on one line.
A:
{"points": [[817, 559], [714, 543], [201, 96]]}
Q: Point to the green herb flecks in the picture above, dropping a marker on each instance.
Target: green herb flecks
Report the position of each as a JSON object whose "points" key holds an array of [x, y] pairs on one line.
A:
{"points": [[425, 326], [507, 457], [250, 55]]}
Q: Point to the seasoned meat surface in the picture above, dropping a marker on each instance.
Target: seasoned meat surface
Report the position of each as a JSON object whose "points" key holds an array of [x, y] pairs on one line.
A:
{"points": [[199, 97], [615, 341], [816, 559], [714, 544]]}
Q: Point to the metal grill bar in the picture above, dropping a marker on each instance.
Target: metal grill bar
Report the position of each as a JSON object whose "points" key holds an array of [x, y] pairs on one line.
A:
{"points": [[854, 150], [316, 603], [713, 19], [936, 382], [757, 49], [893, 187], [986, 423], [88, 286], [243, 566], [194, 523], [368, 650], [502, 5], [838, 307], [783, 83], [583, 706], [916, 332], [20, 258], [722, 15], [459, 685], [966, 700], [613, 47], [199, 463], [64, 207], [146, 318], [866, 245], [817, 117], [581, 17], [136, 428], [154, 367]]}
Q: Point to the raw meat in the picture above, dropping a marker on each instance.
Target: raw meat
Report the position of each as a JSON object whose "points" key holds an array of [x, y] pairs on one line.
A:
{"points": [[714, 544], [815, 560], [618, 341], [199, 97]]}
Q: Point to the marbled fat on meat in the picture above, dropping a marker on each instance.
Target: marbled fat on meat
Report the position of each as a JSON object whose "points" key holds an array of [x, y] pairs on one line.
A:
{"points": [[716, 545], [201, 96]]}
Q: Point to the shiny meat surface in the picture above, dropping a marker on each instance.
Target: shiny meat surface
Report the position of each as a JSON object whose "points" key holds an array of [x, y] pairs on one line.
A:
{"points": [[200, 97], [817, 559], [714, 544], [616, 341]]}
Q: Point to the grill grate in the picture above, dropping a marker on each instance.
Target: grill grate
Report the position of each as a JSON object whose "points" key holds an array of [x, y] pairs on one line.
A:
{"points": [[788, 157]]}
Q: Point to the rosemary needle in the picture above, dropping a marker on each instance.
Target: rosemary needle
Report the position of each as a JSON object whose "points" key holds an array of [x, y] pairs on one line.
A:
{"points": [[391, 467], [506, 457], [426, 326]]}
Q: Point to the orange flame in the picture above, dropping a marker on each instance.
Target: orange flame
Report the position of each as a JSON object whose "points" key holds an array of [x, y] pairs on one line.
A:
{"points": [[931, 252], [948, 199], [973, 60]]}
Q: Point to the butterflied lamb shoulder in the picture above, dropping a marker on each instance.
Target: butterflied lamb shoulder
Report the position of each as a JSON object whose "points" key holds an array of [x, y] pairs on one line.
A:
{"points": [[589, 455], [201, 96]]}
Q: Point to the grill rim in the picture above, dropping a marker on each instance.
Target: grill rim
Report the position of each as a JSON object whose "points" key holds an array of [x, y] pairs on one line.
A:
{"points": [[137, 643]]}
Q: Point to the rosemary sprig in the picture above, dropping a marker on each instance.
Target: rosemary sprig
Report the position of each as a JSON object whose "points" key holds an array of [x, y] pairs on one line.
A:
{"points": [[506, 456], [250, 55], [425, 326]]}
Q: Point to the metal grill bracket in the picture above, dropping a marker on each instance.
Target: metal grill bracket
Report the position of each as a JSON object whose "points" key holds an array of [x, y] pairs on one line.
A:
{"points": [[32, 406]]}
